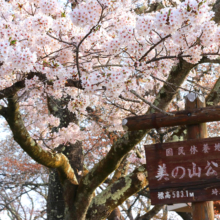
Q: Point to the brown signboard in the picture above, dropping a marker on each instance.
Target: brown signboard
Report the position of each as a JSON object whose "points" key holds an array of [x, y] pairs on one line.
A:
{"points": [[185, 171]]}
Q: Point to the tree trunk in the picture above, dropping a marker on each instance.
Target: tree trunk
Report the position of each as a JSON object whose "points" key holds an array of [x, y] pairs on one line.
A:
{"points": [[60, 202], [55, 199], [61, 195]]}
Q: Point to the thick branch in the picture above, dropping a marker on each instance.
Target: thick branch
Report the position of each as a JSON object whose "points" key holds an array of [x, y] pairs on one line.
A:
{"points": [[149, 103], [151, 213], [116, 214], [123, 145], [106, 166], [12, 90], [167, 92], [185, 215], [216, 9], [115, 194], [29, 145], [213, 97], [121, 171]]}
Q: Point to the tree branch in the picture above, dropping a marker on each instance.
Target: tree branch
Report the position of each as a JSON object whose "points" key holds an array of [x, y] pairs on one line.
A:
{"points": [[123, 145], [150, 104], [29, 145], [213, 98], [149, 215], [103, 7], [185, 215], [161, 40], [115, 194], [12, 90], [216, 9]]}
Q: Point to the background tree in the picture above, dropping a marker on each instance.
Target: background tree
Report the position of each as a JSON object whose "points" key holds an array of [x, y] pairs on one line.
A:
{"points": [[70, 74]]}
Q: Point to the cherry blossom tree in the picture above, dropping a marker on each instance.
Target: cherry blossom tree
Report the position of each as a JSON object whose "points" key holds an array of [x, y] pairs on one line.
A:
{"points": [[71, 72]]}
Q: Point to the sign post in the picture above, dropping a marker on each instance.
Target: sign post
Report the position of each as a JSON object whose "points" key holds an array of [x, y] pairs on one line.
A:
{"points": [[186, 171], [200, 210]]}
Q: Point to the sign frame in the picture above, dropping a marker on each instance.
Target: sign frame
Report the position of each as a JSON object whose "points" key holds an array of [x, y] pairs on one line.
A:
{"points": [[192, 171]]}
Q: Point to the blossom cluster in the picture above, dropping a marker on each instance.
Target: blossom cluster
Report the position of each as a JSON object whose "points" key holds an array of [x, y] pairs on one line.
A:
{"points": [[49, 6], [104, 45]]}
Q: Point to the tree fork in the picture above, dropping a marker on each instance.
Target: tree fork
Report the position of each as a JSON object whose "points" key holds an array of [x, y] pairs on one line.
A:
{"points": [[200, 210]]}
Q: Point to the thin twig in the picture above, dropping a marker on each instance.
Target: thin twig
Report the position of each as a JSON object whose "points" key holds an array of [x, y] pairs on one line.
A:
{"points": [[128, 100], [60, 40], [47, 55], [162, 39], [150, 104], [107, 65], [199, 85], [91, 30], [171, 84]]}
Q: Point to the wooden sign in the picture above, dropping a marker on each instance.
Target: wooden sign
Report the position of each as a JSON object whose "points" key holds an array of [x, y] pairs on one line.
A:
{"points": [[186, 171], [185, 117]]}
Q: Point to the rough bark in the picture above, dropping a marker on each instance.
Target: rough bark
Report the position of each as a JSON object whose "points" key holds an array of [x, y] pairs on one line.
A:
{"points": [[63, 195], [123, 145], [168, 92], [30, 146], [151, 213], [115, 194], [120, 172], [216, 9], [55, 199], [116, 215]]}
